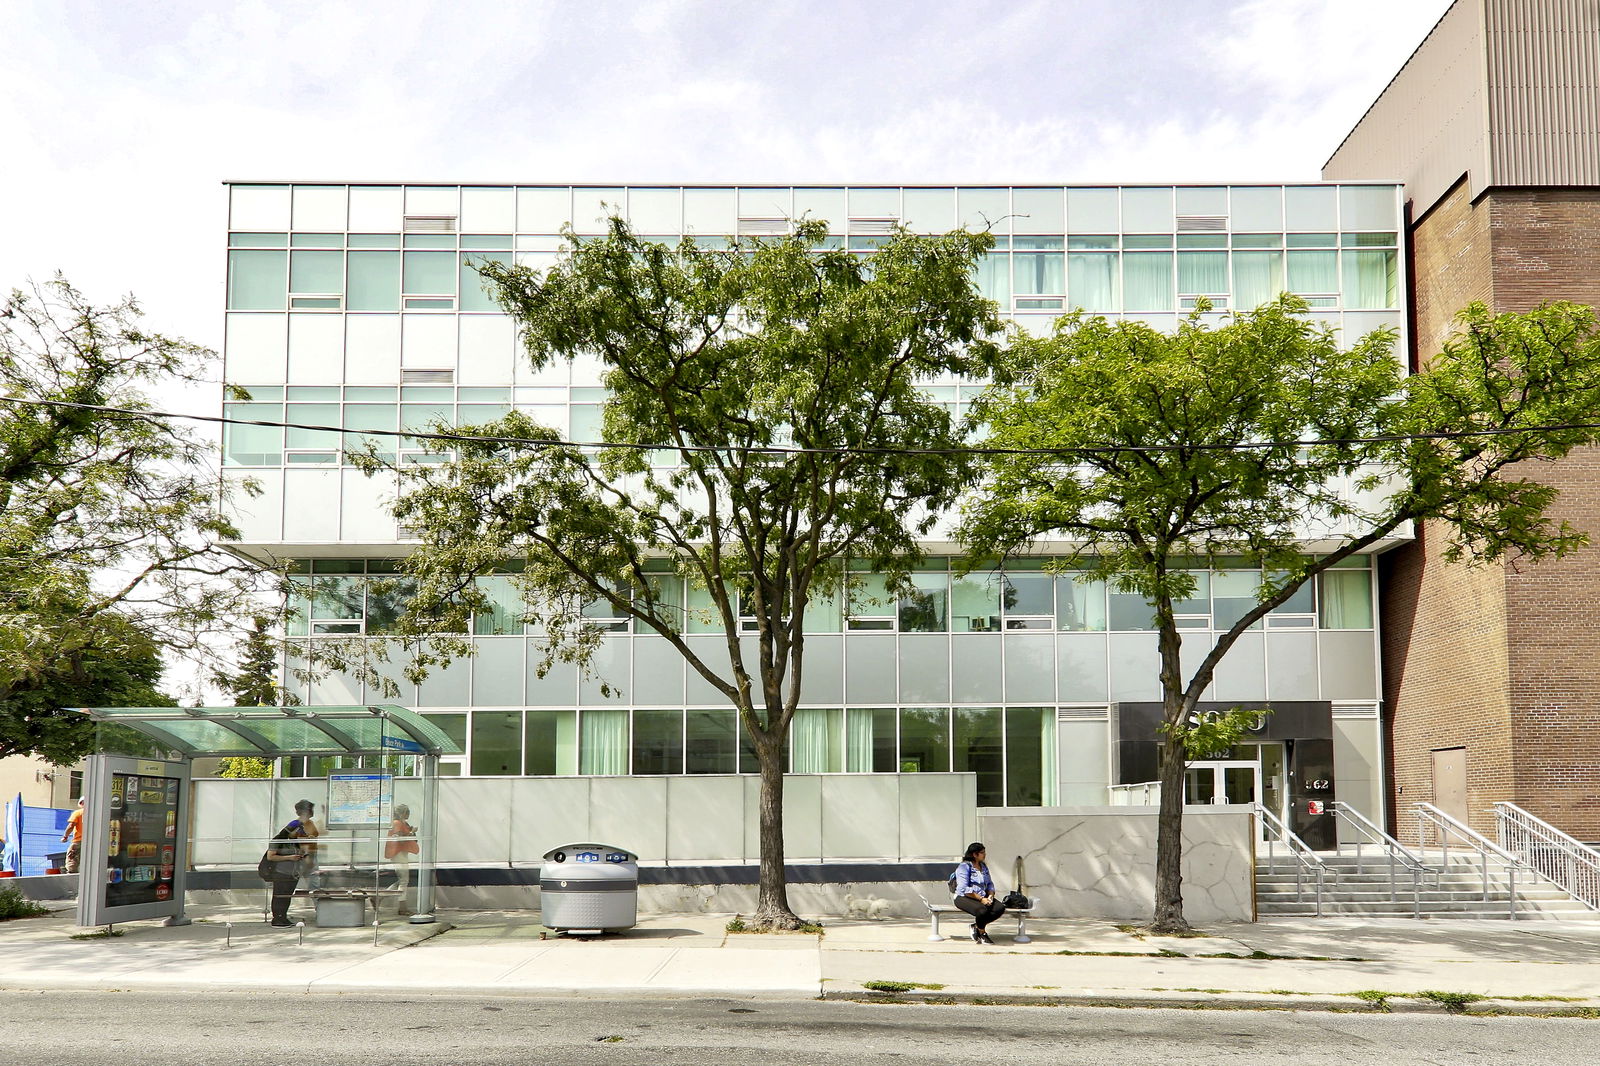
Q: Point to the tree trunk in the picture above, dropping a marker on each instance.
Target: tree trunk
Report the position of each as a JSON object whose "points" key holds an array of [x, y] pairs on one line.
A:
{"points": [[1174, 757], [772, 904]]}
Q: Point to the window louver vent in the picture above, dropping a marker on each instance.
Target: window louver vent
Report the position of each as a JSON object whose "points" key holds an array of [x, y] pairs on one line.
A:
{"points": [[1064, 714], [873, 225], [430, 224], [1202, 223], [763, 225], [427, 377], [408, 533]]}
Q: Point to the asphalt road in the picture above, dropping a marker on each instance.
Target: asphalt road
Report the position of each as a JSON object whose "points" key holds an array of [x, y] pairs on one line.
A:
{"points": [[295, 1029]]}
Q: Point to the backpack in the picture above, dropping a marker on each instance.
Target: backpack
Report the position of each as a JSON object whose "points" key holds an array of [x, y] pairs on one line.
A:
{"points": [[950, 882], [267, 868]]}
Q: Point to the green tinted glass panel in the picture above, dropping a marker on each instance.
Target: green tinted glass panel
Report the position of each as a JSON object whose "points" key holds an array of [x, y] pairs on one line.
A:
{"points": [[253, 445], [374, 281], [317, 240], [1147, 281], [312, 414], [1030, 756], [924, 740], [978, 747], [429, 240], [316, 272], [374, 240], [430, 273], [496, 743], [658, 742], [258, 240], [453, 726], [1314, 272], [1370, 280], [711, 743], [550, 744], [257, 280], [474, 296]]}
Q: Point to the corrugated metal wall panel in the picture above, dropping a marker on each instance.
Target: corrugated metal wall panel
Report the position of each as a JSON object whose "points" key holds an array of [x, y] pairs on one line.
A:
{"points": [[1428, 127], [1543, 67]]}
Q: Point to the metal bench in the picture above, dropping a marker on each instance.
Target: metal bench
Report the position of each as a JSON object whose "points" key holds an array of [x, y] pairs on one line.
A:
{"points": [[937, 909]]}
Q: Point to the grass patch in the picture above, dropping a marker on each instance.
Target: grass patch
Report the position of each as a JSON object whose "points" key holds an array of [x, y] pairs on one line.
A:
{"points": [[98, 934], [1454, 1002], [1378, 1000], [13, 904], [900, 986], [1168, 953], [1540, 999], [613, 1039], [737, 924], [1142, 931]]}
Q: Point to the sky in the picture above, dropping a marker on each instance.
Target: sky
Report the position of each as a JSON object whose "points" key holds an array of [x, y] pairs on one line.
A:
{"points": [[122, 119]]}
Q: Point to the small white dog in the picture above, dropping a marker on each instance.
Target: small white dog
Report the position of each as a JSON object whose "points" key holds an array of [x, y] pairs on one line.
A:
{"points": [[873, 907]]}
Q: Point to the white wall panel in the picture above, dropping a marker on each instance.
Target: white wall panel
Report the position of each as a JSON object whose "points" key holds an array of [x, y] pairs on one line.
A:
{"points": [[1135, 666], [311, 505], [259, 207], [547, 812], [259, 517], [630, 812], [936, 818], [499, 672], [692, 830], [365, 516], [258, 348], [433, 200], [319, 207], [316, 349], [488, 350], [1292, 666], [612, 668], [372, 350], [543, 210], [488, 210], [1242, 673], [1349, 667], [1030, 673], [1081, 667], [974, 665], [376, 208], [870, 674], [860, 817], [1083, 758], [428, 341]]}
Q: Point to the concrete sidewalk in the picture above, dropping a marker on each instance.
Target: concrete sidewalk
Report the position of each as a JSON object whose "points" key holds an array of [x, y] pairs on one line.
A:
{"points": [[1534, 967]]}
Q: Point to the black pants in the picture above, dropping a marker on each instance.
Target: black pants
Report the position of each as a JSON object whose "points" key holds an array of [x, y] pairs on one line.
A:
{"points": [[982, 913], [282, 890]]}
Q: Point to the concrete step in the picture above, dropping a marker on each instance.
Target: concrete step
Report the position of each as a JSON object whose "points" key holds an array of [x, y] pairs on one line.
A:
{"points": [[1428, 898], [1549, 911], [1347, 883]]}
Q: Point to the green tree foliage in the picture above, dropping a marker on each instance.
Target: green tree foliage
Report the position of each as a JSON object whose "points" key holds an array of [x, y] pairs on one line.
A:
{"points": [[718, 364], [253, 683], [1255, 437], [109, 522]]}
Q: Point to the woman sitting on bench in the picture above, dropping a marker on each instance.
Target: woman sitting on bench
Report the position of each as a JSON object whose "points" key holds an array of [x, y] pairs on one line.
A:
{"points": [[975, 892]]}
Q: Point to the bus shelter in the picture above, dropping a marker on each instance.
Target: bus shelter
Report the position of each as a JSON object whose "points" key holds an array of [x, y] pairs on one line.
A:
{"points": [[137, 794]]}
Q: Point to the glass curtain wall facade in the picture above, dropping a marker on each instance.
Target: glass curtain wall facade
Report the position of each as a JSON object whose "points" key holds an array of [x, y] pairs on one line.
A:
{"points": [[358, 308]]}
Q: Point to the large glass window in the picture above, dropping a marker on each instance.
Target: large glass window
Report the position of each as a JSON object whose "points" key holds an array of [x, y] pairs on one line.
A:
{"points": [[374, 282], [1346, 600], [658, 742], [993, 277], [1030, 757], [924, 740], [816, 740], [257, 280], [1092, 281], [1233, 595], [253, 445], [496, 743], [870, 741], [1029, 600], [871, 606], [316, 272], [502, 617], [1039, 266], [1203, 273], [975, 603], [977, 747], [474, 294], [1313, 272], [550, 743], [1257, 278], [603, 742], [1080, 605], [712, 745], [314, 445], [925, 607], [1129, 610], [430, 273], [1370, 279], [1147, 281], [371, 416]]}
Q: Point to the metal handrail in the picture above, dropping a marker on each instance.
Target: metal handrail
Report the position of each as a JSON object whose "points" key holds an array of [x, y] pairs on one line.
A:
{"points": [[1397, 853], [1447, 825], [1297, 849], [1562, 859]]}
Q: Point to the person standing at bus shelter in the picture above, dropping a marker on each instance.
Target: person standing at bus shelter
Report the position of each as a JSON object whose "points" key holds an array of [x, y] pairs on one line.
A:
{"points": [[74, 830]]}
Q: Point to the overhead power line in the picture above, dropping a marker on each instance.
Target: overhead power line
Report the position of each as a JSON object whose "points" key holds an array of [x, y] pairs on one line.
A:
{"points": [[775, 449]]}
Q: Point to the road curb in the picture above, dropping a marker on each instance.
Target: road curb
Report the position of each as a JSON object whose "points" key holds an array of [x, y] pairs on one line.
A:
{"points": [[1400, 1003]]}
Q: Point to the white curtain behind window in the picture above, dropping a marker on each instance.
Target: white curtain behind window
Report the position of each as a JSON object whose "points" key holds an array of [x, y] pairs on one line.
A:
{"points": [[603, 742], [815, 740]]}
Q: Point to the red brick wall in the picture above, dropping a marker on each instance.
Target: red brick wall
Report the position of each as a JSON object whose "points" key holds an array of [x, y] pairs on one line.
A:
{"points": [[1505, 660]]}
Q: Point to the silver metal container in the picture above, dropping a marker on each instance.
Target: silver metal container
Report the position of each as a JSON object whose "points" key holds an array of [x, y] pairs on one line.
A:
{"points": [[589, 888]]}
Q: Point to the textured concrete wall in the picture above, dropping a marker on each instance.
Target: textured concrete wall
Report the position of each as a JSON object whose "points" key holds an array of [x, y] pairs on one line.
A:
{"points": [[1100, 862]]}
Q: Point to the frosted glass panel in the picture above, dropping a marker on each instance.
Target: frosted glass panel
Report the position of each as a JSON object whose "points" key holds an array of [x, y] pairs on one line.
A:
{"points": [[870, 668], [656, 212], [372, 349], [1081, 667], [709, 211], [766, 203], [488, 210], [592, 208], [1083, 753], [376, 208], [924, 668], [257, 347], [1202, 201], [498, 672], [1038, 211], [874, 203], [1311, 207], [824, 673], [259, 207], [374, 283], [1349, 667], [543, 210], [257, 280], [1147, 211], [1242, 673], [1368, 207], [319, 207], [984, 209], [1292, 666], [1135, 666], [1258, 209], [929, 210], [974, 663], [828, 205], [1030, 674], [1093, 211], [316, 272]]}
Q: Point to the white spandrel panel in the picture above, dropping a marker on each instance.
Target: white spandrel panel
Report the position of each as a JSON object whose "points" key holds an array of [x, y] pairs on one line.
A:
{"points": [[823, 680], [1080, 667], [259, 517], [488, 210], [311, 505], [924, 667], [259, 207], [257, 349], [870, 673], [857, 809], [488, 349], [376, 208], [1292, 666], [433, 200], [1349, 664], [365, 506], [428, 341], [1242, 673], [1030, 672], [1135, 667], [658, 672], [543, 210], [319, 207], [372, 350], [316, 349]]}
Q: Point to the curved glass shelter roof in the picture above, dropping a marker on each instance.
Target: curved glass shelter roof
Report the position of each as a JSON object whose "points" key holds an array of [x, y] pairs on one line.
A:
{"points": [[271, 732]]}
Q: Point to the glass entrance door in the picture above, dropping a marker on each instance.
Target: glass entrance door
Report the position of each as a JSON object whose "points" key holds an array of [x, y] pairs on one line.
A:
{"points": [[1254, 773]]}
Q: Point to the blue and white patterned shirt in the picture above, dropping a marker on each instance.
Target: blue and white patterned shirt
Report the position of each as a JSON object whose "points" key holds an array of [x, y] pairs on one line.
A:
{"points": [[973, 879]]}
